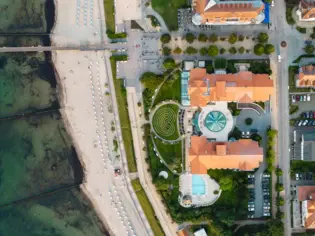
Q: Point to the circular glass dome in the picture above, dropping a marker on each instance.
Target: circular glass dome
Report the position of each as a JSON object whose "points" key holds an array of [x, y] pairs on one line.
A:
{"points": [[215, 121]]}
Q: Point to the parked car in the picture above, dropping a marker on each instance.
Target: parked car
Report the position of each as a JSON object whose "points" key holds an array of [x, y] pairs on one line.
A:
{"points": [[300, 123], [253, 130], [313, 123], [279, 58], [305, 122], [304, 98], [293, 98], [272, 3], [308, 97], [297, 97], [310, 123], [311, 114], [297, 177]]}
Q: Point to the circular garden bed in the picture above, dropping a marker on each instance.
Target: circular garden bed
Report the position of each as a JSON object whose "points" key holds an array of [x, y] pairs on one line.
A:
{"points": [[165, 122]]}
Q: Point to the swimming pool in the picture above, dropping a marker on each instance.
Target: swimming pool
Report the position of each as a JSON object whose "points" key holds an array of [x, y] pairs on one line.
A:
{"points": [[198, 185]]}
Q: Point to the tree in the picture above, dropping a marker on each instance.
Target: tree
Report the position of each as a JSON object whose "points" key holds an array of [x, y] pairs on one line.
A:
{"points": [[259, 49], [203, 51], [191, 50], [166, 51], [279, 171], [213, 51], [241, 50], [202, 38], [190, 38], [226, 183], [150, 80], [169, 64], [269, 48], [232, 38], [248, 121], [309, 49], [209, 68], [232, 50], [165, 38], [177, 50], [279, 187], [280, 201], [213, 38], [241, 38], [263, 37], [222, 50]]}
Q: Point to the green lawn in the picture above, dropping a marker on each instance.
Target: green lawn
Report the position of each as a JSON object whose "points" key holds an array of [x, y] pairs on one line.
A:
{"points": [[168, 92], [124, 118], [168, 10], [147, 208], [164, 122], [109, 15], [172, 154]]}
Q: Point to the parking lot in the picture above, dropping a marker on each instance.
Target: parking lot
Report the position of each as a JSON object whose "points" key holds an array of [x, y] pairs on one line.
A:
{"points": [[265, 197]]}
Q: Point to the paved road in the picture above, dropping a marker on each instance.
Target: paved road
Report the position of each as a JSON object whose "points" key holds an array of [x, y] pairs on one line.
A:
{"points": [[113, 46]]}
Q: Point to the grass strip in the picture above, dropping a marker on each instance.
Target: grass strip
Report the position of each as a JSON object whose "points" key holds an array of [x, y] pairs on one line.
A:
{"points": [[109, 15], [147, 208], [121, 98]]}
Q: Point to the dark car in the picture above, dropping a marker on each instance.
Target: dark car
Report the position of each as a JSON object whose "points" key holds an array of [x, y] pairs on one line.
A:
{"points": [[297, 97]]}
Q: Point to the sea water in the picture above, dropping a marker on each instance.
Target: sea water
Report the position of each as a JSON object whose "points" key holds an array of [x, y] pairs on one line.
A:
{"points": [[40, 172]]}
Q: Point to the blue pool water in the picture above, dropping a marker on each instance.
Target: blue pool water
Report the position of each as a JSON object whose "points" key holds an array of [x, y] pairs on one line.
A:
{"points": [[198, 185]]}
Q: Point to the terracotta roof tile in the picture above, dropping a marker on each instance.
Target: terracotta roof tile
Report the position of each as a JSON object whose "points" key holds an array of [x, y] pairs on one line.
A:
{"points": [[306, 76], [244, 154], [228, 87]]}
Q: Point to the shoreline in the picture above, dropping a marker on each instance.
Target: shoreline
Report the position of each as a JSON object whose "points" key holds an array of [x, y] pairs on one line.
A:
{"points": [[62, 98]]}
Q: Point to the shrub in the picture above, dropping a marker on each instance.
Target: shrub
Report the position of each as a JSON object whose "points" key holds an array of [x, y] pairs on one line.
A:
{"points": [[154, 21], [222, 39], [232, 38], [203, 51], [222, 50], [269, 48], [169, 64], [288, 15], [301, 30], [165, 38], [209, 68], [213, 51], [232, 50], [190, 38], [241, 50], [263, 37], [279, 187], [231, 68], [191, 50], [241, 38], [216, 192], [113, 35], [248, 121], [278, 172], [213, 38], [309, 49], [177, 50], [202, 38], [166, 51], [259, 49]]}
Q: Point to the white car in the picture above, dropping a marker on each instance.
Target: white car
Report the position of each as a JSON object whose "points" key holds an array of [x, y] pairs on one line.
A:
{"points": [[273, 3], [308, 97], [305, 122], [279, 58], [293, 98], [296, 176]]}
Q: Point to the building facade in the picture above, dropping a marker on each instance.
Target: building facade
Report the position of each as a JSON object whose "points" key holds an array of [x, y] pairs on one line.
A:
{"points": [[306, 10], [218, 12]]}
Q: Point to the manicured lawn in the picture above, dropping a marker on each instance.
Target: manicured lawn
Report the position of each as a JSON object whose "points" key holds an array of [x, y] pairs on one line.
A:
{"points": [[109, 15], [293, 70], [147, 208], [172, 154], [168, 92], [136, 185], [164, 122], [124, 118], [168, 10]]}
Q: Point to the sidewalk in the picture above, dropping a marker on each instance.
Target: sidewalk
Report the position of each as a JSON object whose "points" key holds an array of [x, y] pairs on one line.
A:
{"points": [[144, 176]]}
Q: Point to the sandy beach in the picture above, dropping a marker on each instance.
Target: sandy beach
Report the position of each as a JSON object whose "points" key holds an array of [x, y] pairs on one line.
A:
{"points": [[87, 110]]}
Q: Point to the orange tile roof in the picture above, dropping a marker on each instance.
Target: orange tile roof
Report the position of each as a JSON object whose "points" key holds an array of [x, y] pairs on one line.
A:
{"points": [[307, 9], [221, 12], [244, 154], [306, 76], [307, 193], [241, 87], [182, 232]]}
